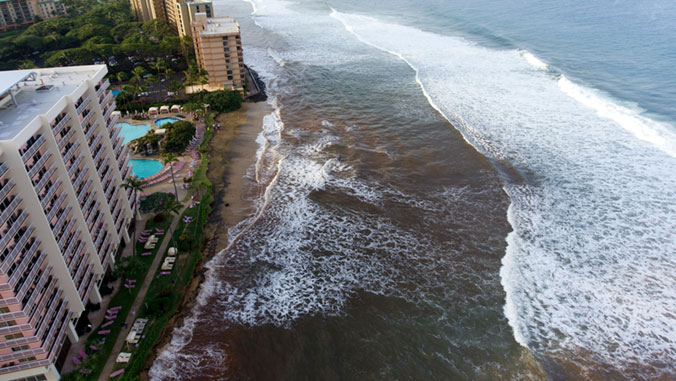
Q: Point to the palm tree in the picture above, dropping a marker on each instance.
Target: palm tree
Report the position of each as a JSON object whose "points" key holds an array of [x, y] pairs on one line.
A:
{"points": [[203, 77], [168, 73], [172, 208], [134, 184], [120, 76], [170, 159], [158, 65]]}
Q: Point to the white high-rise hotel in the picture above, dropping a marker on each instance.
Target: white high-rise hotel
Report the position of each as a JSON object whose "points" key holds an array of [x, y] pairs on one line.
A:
{"points": [[62, 211]]}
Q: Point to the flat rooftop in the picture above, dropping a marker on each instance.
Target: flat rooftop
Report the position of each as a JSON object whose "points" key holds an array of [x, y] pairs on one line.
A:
{"points": [[220, 25], [36, 94]]}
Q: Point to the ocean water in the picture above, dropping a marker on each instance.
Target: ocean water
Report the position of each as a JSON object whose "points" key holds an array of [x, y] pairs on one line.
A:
{"points": [[450, 190]]}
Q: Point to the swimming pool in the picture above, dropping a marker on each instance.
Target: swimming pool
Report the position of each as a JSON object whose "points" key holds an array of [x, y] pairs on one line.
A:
{"points": [[143, 168], [130, 132], [163, 121], [115, 92]]}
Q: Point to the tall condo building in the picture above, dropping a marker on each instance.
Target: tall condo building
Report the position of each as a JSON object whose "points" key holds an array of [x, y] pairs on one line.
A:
{"points": [[218, 49], [179, 14], [17, 13], [63, 213]]}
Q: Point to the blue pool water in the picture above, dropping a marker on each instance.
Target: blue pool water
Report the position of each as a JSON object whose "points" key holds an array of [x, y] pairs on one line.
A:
{"points": [[144, 168], [132, 131], [115, 92], [163, 121]]}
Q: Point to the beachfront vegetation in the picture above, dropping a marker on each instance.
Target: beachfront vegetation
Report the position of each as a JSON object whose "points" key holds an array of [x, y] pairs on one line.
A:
{"points": [[178, 136], [94, 31], [154, 201]]}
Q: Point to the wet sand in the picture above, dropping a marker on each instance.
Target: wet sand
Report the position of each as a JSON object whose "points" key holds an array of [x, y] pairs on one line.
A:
{"points": [[232, 151]]}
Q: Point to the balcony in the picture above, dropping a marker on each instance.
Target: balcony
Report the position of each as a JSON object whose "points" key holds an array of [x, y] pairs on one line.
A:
{"points": [[115, 133], [57, 337], [12, 231], [10, 209], [17, 249], [6, 189], [94, 143], [3, 169], [75, 165], [50, 193], [38, 164], [109, 111], [106, 99], [92, 213], [84, 104], [112, 197], [43, 302], [66, 138], [91, 130], [65, 233], [101, 167], [55, 207], [62, 220], [81, 266], [55, 322], [102, 88], [62, 123], [73, 242], [45, 178], [51, 313], [111, 122], [24, 263], [80, 177], [33, 148], [86, 118], [31, 278], [71, 151]]}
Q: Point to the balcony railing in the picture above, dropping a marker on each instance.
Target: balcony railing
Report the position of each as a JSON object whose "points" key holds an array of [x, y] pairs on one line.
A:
{"points": [[86, 118], [80, 177], [66, 138], [6, 189], [38, 164], [50, 193], [112, 197], [91, 130], [75, 165], [12, 231], [33, 149], [3, 169], [55, 208], [107, 98], [66, 232], [115, 133], [86, 282], [62, 123], [62, 219], [81, 265], [84, 104], [53, 339], [73, 242], [24, 263], [31, 278], [93, 213], [44, 301], [69, 154], [83, 193], [44, 179], [10, 209], [17, 249], [109, 111], [102, 166], [52, 312], [57, 319], [102, 88], [111, 122]]}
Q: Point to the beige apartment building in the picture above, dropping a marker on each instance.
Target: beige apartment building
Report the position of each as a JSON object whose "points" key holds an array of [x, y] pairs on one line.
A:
{"points": [[218, 49], [179, 14], [63, 214], [18, 13]]}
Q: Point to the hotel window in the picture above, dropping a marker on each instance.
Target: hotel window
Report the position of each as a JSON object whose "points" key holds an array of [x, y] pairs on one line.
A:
{"points": [[4, 310], [27, 359], [20, 348], [230, 77], [14, 336]]}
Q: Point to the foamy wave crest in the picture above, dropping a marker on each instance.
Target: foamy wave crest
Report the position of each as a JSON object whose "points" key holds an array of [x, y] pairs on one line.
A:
{"points": [[534, 61], [656, 133], [587, 266]]}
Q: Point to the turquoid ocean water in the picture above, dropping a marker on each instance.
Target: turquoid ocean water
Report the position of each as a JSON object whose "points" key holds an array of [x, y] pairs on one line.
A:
{"points": [[450, 190]]}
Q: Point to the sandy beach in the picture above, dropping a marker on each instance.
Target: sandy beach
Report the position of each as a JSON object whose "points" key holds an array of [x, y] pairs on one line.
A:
{"points": [[232, 151]]}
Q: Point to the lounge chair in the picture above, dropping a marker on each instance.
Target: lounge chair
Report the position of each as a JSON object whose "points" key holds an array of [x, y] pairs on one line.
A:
{"points": [[116, 373], [82, 354]]}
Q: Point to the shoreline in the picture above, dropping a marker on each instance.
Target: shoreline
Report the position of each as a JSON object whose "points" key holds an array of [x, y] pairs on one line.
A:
{"points": [[231, 153]]}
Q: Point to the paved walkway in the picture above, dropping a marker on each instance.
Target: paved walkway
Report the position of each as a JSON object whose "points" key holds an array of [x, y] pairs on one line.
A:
{"points": [[105, 374]]}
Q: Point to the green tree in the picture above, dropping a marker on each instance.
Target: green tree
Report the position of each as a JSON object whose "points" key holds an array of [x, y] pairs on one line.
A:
{"points": [[170, 159], [134, 184], [158, 65], [172, 208]]}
